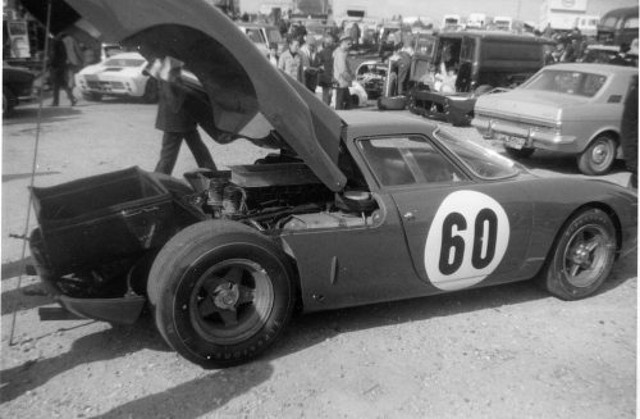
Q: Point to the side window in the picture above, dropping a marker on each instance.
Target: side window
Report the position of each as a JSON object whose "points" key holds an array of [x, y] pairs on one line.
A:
{"points": [[410, 160]]}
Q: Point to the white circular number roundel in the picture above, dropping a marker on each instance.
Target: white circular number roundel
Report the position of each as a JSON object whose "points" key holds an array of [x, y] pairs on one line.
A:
{"points": [[467, 240]]}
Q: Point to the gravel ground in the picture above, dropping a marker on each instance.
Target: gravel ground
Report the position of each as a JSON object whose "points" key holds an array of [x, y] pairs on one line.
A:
{"points": [[491, 353]]}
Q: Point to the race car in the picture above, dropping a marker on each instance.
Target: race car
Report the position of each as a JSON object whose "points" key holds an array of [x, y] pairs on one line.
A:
{"points": [[120, 75], [348, 209]]}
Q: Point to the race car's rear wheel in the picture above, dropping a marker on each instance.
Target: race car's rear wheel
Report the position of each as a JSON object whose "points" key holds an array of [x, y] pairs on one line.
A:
{"points": [[598, 158], [517, 154], [582, 257], [221, 293]]}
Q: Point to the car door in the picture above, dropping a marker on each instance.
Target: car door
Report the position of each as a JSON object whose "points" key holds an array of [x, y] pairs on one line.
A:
{"points": [[460, 231]]}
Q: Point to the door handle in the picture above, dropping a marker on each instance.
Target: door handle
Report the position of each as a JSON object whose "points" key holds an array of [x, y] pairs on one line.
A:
{"points": [[409, 216]]}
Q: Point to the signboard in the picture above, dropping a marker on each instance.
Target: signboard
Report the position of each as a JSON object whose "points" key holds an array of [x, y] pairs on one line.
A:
{"points": [[568, 5]]}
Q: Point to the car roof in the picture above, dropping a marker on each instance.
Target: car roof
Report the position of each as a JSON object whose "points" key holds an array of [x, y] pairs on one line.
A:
{"points": [[362, 123], [497, 35], [604, 69]]}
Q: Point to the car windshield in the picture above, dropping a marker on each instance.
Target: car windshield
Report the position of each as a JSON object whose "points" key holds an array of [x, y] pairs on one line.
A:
{"points": [[566, 81], [484, 162], [124, 62]]}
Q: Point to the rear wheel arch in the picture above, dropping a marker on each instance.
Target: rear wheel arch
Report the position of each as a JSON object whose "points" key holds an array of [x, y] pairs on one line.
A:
{"points": [[615, 135]]}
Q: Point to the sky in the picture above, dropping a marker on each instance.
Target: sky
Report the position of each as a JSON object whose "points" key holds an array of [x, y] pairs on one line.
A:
{"points": [[526, 10]]}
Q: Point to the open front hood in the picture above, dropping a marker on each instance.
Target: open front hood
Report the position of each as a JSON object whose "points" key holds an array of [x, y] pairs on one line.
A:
{"points": [[244, 89]]}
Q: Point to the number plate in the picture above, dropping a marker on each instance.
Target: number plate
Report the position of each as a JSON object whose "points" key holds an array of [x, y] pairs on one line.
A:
{"points": [[514, 142]]}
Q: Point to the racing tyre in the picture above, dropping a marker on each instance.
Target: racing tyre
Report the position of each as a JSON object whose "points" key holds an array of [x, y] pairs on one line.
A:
{"points": [[150, 91], [598, 158], [391, 85], [221, 293], [396, 103], [582, 257], [518, 154], [92, 97]]}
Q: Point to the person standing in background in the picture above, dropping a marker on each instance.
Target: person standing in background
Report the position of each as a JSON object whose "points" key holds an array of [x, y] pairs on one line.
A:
{"points": [[325, 58], [310, 63], [290, 61], [342, 74], [629, 131]]}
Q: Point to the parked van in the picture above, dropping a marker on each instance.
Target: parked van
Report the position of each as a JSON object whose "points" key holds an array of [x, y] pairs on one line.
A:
{"points": [[619, 26]]}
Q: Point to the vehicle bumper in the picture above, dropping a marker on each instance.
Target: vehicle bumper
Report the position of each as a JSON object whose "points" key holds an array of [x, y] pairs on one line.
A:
{"points": [[125, 310], [127, 87], [532, 137], [441, 107]]}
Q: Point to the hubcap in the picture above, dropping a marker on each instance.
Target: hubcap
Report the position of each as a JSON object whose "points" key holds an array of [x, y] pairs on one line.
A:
{"points": [[586, 255], [230, 301], [602, 154]]}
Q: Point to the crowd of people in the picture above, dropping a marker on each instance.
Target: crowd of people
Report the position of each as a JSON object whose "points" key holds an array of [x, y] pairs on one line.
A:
{"points": [[315, 65]]}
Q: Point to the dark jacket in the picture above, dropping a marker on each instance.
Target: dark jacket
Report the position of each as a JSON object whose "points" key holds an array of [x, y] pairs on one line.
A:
{"points": [[172, 116], [629, 127], [325, 60]]}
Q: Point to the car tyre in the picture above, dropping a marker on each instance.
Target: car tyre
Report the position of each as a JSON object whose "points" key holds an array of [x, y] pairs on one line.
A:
{"points": [[582, 257], [150, 91], [391, 85], [518, 154], [599, 157], [221, 293], [7, 102], [92, 97]]}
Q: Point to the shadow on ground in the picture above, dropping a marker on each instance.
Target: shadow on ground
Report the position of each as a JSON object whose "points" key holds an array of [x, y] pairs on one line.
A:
{"points": [[49, 114], [18, 176], [197, 397], [100, 346]]}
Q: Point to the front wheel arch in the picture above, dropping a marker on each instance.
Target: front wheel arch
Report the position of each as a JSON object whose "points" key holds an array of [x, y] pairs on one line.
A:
{"points": [[558, 276]]}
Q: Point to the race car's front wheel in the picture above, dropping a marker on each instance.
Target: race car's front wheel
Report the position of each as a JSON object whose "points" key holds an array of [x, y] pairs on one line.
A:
{"points": [[598, 158], [221, 292], [582, 257]]}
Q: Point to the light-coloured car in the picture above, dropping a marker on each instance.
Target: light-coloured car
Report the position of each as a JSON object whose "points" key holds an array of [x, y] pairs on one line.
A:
{"points": [[262, 35], [119, 75], [572, 108]]}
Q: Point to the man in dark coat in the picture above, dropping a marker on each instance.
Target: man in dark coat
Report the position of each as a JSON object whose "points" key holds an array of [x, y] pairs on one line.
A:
{"points": [[325, 57], [60, 71], [177, 124], [629, 131]]}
